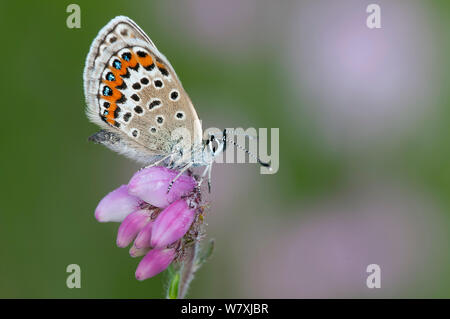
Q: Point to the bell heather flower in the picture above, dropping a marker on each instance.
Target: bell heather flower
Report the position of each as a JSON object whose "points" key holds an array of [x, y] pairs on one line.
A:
{"points": [[131, 226], [151, 186], [158, 224], [154, 262], [143, 238], [172, 224], [115, 206], [138, 252]]}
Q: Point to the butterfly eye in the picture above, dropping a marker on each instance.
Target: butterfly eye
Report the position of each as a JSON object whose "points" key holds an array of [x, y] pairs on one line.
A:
{"points": [[214, 145]]}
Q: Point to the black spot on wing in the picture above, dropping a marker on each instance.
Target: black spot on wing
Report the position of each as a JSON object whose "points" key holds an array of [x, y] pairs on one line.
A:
{"points": [[164, 71], [136, 67], [126, 75], [150, 67], [122, 99], [123, 86], [127, 116], [154, 104], [138, 109], [116, 112]]}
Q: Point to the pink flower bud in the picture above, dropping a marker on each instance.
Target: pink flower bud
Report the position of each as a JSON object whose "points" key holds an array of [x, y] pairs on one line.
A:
{"points": [[131, 226], [115, 206], [151, 185], [143, 238], [137, 252], [154, 262], [172, 223]]}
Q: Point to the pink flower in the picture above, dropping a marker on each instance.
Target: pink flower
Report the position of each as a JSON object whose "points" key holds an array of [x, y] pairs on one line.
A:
{"points": [[156, 220], [172, 223], [143, 238], [131, 226], [115, 206], [154, 262], [138, 252], [151, 185]]}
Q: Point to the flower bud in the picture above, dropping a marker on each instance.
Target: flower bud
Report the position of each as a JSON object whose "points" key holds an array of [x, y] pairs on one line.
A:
{"points": [[137, 252], [154, 262], [115, 206], [171, 224], [151, 185], [131, 226], [143, 238]]}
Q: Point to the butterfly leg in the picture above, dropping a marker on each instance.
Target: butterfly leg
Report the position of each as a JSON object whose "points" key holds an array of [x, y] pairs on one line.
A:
{"points": [[184, 169], [209, 177], [159, 161], [207, 170], [203, 175]]}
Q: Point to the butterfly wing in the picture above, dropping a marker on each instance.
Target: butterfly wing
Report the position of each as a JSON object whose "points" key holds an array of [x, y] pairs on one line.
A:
{"points": [[133, 91]]}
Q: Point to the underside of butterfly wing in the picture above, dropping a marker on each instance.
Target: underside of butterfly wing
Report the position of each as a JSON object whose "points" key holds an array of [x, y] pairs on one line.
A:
{"points": [[132, 90]]}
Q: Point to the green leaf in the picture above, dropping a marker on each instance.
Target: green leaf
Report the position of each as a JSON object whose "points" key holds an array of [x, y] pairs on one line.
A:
{"points": [[174, 284], [206, 253]]}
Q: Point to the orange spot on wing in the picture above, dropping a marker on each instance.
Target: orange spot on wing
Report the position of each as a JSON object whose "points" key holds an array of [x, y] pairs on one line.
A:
{"points": [[133, 61], [117, 73], [113, 84], [122, 71], [110, 116], [145, 61], [114, 96], [160, 65]]}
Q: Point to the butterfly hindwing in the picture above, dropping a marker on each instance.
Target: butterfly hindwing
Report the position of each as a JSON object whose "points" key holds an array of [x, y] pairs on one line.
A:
{"points": [[133, 90]]}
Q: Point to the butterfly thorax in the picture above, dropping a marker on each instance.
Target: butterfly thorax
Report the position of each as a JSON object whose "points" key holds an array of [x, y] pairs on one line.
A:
{"points": [[202, 154]]}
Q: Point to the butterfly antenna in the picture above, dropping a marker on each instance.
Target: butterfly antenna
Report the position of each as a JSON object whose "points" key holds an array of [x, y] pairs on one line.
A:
{"points": [[252, 137], [229, 140]]}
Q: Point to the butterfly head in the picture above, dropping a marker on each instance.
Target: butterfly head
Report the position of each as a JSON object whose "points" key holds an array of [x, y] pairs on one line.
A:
{"points": [[215, 145]]}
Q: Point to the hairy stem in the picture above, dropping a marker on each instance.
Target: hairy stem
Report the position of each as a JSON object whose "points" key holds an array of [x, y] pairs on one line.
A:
{"points": [[188, 270]]}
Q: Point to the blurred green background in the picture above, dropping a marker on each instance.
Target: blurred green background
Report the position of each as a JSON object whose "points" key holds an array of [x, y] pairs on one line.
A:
{"points": [[364, 147]]}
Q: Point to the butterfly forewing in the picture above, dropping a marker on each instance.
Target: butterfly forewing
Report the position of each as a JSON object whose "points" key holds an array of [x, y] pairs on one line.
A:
{"points": [[132, 89]]}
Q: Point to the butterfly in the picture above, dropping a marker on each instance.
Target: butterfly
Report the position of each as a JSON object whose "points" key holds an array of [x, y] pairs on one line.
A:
{"points": [[135, 96]]}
